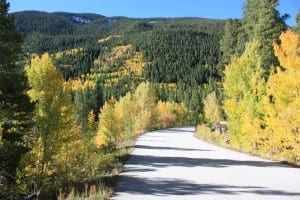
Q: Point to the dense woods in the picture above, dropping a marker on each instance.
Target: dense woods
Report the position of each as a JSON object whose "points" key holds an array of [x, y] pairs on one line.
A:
{"points": [[75, 89], [259, 53], [15, 107]]}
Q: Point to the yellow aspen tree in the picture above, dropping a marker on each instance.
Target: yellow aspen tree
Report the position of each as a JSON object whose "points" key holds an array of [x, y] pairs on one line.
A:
{"points": [[126, 110], [283, 100], [109, 127], [244, 88], [54, 116], [212, 109], [145, 99], [182, 113], [166, 116]]}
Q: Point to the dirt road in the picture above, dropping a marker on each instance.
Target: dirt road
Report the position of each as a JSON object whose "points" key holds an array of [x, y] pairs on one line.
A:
{"points": [[172, 164]]}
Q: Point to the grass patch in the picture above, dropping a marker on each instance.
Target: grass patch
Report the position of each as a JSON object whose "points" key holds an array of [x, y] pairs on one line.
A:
{"points": [[107, 175], [205, 133]]}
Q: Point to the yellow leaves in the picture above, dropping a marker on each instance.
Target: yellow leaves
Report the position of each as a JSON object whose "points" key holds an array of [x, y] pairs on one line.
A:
{"points": [[126, 109], [267, 118], [100, 139], [57, 138], [135, 114], [288, 51], [67, 52], [82, 84], [244, 87], [69, 151], [43, 78], [284, 86], [109, 126], [91, 118], [134, 65], [283, 99], [166, 116], [118, 52], [212, 108], [109, 82], [31, 163], [145, 99], [108, 38]]}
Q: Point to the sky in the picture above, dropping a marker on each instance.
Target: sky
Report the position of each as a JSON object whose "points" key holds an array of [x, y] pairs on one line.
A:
{"points": [[216, 9]]}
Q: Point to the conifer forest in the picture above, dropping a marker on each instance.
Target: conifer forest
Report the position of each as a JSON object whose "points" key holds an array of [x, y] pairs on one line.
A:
{"points": [[75, 95]]}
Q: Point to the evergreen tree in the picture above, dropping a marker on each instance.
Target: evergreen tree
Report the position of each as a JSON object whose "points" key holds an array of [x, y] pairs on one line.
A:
{"points": [[195, 106], [262, 22], [85, 101], [15, 107], [229, 41], [297, 29]]}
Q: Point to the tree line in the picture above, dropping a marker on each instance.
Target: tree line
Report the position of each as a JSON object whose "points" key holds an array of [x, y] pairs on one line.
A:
{"points": [[259, 95], [64, 113]]}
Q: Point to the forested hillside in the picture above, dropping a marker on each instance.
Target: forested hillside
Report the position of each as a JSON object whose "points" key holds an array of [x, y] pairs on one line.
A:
{"points": [[178, 56], [52, 32], [95, 83], [75, 89]]}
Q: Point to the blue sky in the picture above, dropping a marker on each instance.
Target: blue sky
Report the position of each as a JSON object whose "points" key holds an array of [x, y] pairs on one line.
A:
{"points": [[217, 9]]}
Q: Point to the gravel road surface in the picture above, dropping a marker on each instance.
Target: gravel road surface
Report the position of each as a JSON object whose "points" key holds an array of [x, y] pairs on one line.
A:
{"points": [[173, 164]]}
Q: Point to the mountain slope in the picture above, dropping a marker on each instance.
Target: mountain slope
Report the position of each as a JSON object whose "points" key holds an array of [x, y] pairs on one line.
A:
{"points": [[179, 56]]}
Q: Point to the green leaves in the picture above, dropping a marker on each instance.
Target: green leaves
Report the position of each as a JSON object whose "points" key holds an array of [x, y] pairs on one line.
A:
{"points": [[262, 22], [229, 41], [244, 87]]}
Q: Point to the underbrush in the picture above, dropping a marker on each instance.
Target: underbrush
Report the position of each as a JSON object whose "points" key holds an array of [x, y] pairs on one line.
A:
{"points": [[206, 133], [99, 187], [246, 145]]}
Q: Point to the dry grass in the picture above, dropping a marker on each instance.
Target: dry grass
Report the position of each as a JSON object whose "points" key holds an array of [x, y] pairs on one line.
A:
{"points": [[204, 132], [101, 187]]}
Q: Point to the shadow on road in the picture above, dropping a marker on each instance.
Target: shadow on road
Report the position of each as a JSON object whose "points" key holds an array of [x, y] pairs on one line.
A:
{"points": [[136, 169], [162, 161], [167, 148], [177, 130], [163, 187]]}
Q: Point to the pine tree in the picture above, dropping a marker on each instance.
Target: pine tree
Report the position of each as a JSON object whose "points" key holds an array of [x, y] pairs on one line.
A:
{"points": [[262, 22], [297, 28], [229, 41], [85, 101], [15, 107]]}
